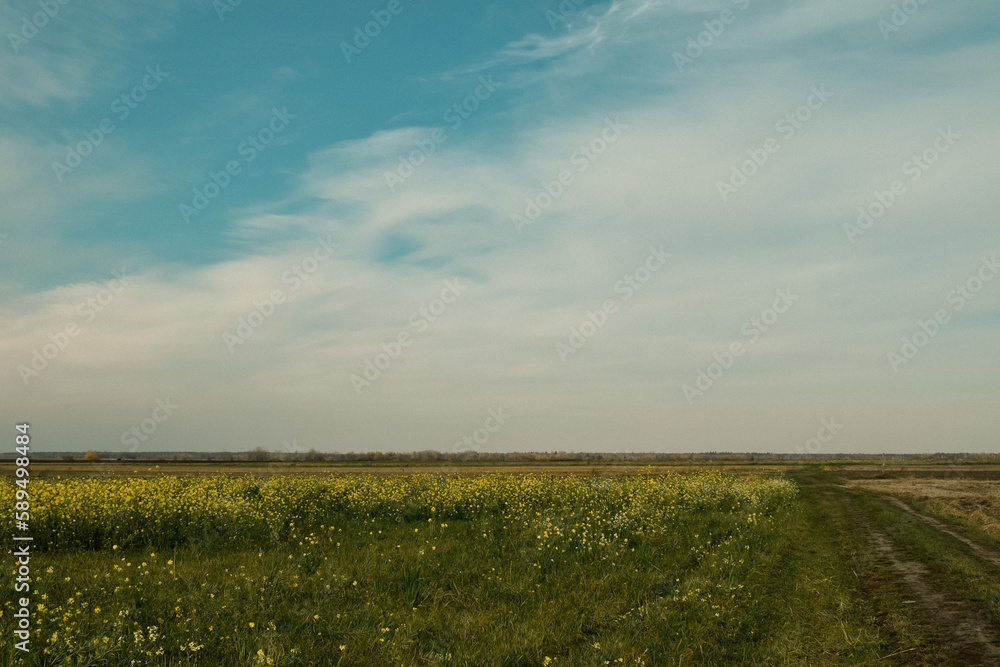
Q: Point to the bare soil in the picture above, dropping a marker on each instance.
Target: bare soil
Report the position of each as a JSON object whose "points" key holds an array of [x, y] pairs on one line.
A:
{"points": [[973, 638]]}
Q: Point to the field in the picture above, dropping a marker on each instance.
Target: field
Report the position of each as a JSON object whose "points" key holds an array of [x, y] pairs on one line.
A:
{"points": [[612, 565], [975, 504], [174, 468]]}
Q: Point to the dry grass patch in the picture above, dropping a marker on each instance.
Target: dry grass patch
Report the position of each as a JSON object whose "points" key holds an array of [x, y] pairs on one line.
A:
{"points": [[974, 501]]}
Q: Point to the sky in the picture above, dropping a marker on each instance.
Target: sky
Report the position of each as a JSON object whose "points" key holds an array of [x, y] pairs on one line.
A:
{"points": [[670, 226]]}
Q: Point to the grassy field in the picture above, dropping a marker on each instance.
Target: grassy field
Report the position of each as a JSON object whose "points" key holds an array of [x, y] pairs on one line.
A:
{"points": [[109, 468], [972, 504], [701, 568]]}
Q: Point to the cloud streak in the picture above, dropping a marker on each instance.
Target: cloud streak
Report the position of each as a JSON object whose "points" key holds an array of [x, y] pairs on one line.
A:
{"points": [[655, 185]]}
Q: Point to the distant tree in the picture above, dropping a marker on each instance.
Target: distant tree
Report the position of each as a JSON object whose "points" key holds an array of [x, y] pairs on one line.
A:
{"points": [[92, 455], [259, 455]]}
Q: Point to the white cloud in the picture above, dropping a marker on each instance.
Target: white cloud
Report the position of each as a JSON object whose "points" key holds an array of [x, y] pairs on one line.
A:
{"points": [[655, 185]]}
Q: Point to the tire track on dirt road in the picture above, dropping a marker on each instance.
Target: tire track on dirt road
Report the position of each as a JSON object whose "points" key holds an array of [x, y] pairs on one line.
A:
{"points": [[978, 549], [972, 638]]}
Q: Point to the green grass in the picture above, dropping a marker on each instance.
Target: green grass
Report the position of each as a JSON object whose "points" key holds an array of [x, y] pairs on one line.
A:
{"points": [[716, 574], [952, 563], [839, 604], [966, 524]]}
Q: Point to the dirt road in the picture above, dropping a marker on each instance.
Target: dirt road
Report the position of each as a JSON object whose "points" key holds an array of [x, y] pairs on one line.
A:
{"points": [[970, 634]]}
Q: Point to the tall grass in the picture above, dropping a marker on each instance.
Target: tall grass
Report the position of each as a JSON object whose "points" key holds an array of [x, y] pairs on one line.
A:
{"points": [[491, 570]]}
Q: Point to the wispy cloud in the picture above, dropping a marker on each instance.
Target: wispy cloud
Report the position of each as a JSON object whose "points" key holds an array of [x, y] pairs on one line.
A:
{"points": [[601, 204]]}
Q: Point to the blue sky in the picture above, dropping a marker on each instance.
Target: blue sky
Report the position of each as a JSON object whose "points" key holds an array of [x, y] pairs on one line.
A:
{"points": [[640, 225]]}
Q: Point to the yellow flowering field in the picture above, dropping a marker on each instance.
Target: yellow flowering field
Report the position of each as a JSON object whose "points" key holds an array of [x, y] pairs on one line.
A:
{"points": [[411, 570]]}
